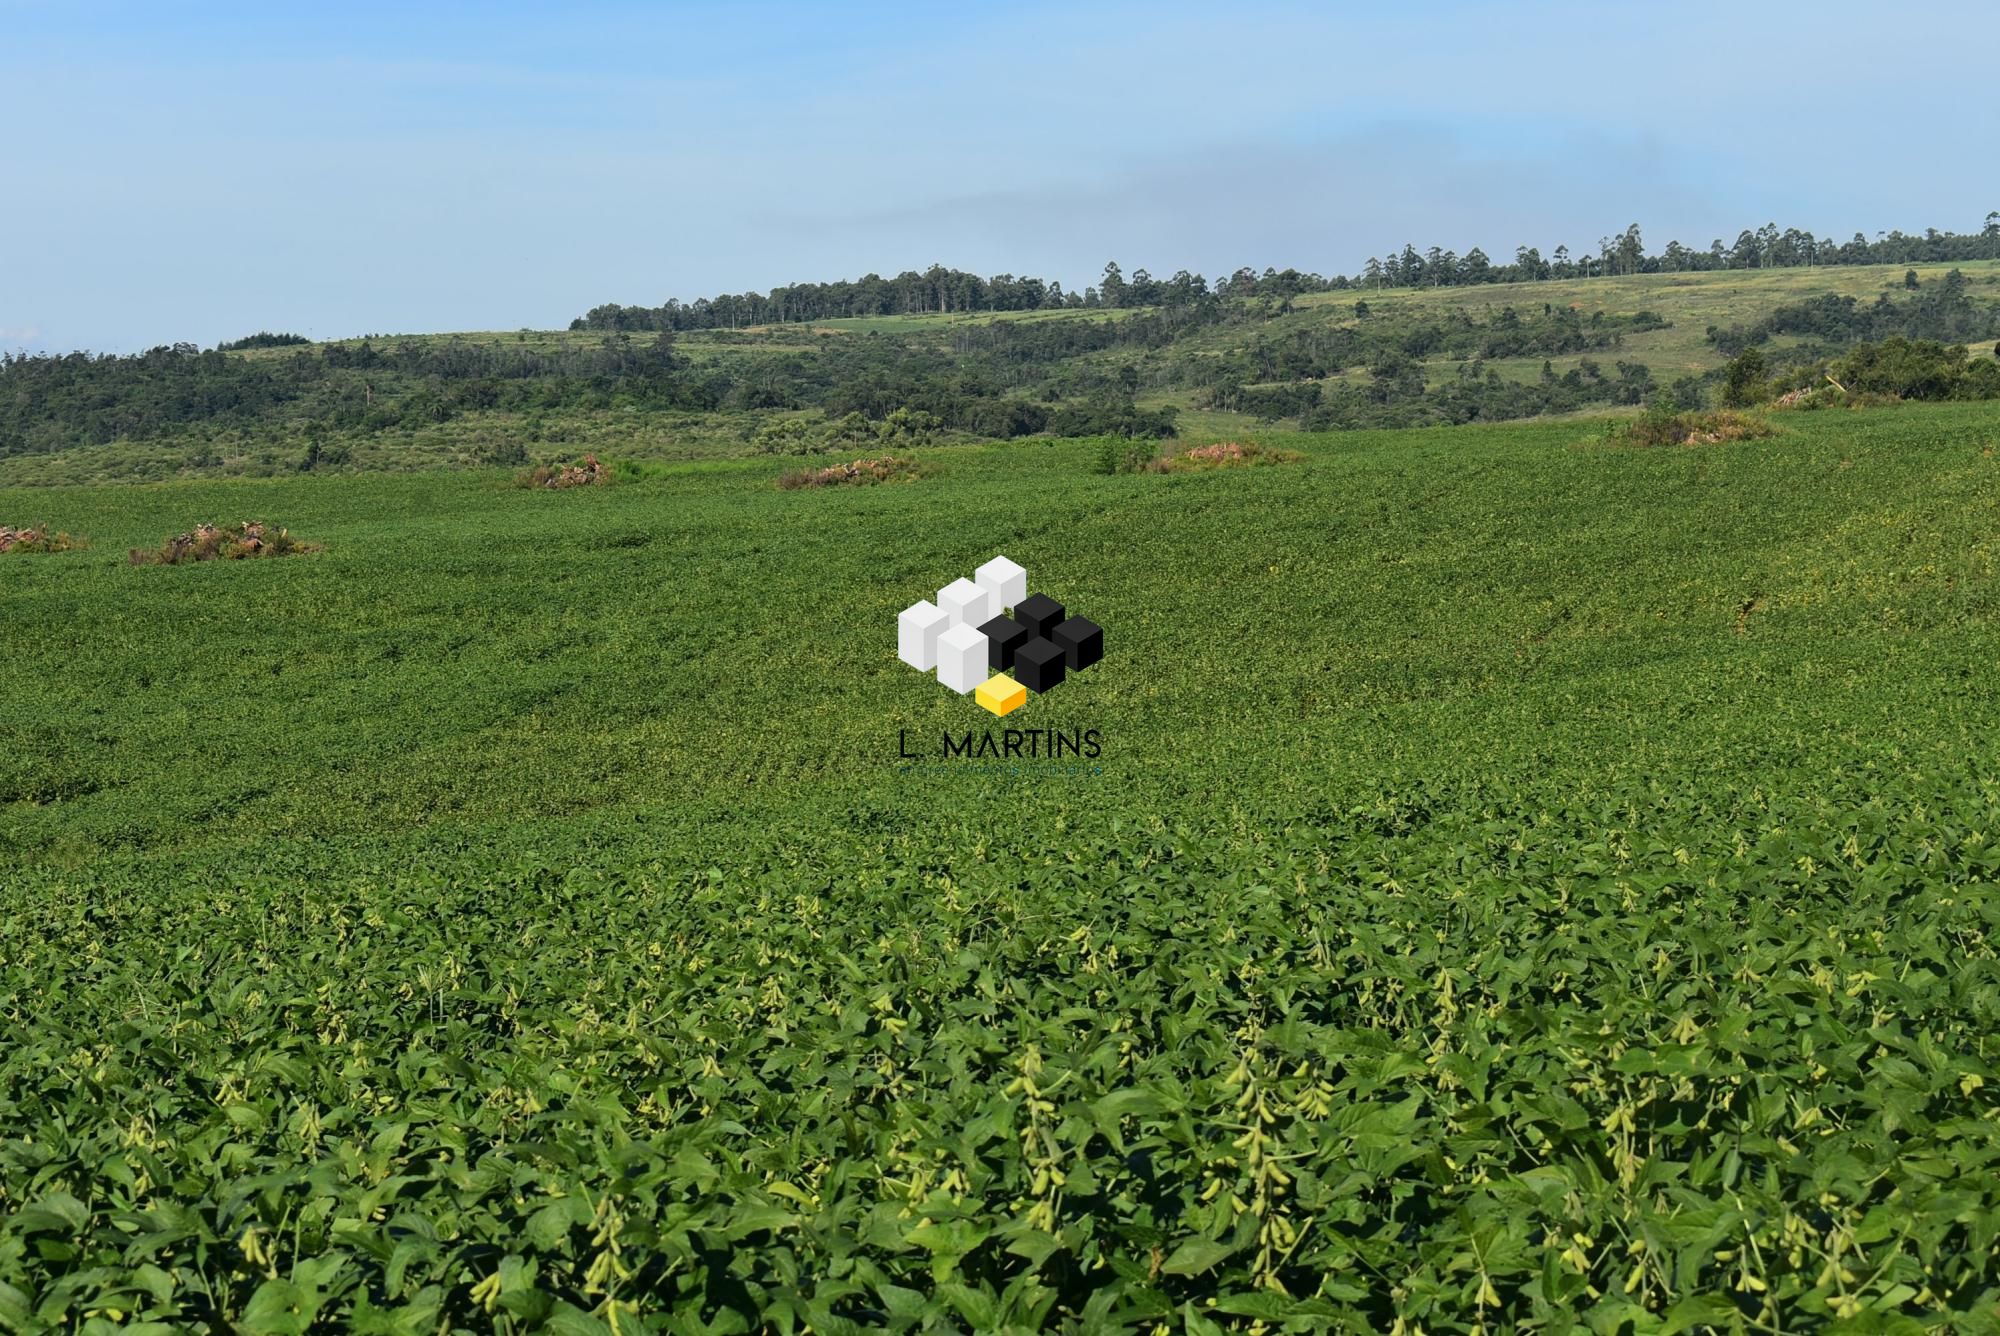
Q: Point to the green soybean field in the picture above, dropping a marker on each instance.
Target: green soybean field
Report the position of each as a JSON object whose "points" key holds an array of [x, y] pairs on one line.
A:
{"points": [[1526, 883]]}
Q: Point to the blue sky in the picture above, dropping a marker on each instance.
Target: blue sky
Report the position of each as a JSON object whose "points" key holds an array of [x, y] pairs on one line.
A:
{"points": [[199, 172]]}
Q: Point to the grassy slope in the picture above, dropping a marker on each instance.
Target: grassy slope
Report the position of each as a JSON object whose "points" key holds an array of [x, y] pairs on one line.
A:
{"points": [[424, 887], [1692, 302]]}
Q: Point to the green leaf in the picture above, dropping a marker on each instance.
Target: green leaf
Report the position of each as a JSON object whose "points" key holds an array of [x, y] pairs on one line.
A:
{"points": [[750, 1220], [949, 1238], [1037, 1245], [1195, 1256], [279, 1308], [1699, 1310], [569, 1320], [1196, 1325], [550, 1226], [58, 1212], [978, 1307], [905, 1305], [16, 1313]]}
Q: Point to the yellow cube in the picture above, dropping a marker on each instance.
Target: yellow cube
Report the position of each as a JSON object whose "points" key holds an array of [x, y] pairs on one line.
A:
{"points": [[1001, 694]]}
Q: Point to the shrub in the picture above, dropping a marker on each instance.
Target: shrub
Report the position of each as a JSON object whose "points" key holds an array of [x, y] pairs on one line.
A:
{"points": [[1809, 398], [1684, 395], [851, 427], [1659, 425], [37, 538], [1890, 372], [506, 452], [804, 436], [1119, 455], [1744, 383], [860, 473], [590, 473], [1913, 369], [228, 542], [787, 436], [1112, 417], [320, 455], [907, 426]]}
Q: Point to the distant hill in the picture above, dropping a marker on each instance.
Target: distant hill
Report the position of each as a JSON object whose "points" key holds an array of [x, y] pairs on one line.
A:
{"points": [[1209, 367]]}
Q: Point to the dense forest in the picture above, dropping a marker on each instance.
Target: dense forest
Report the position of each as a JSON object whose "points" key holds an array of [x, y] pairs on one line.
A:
{"points": [[941, 290], [51, 402]]}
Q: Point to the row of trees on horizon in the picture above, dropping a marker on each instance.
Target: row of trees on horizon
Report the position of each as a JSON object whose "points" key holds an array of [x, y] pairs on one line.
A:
{"points": [[941, 290]]}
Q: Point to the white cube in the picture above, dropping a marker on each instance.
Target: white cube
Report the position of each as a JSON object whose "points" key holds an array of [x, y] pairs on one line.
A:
{"points": [[967, 603], [917, 632], [1006, 581], [961, 658]]}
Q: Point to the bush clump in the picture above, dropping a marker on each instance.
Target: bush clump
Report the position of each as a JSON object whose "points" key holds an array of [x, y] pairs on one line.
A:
{"points": [[1893, 371], [1813, 397], [227, 542], [1225, 455], [1118, 454], [37, 538], [1662, 426], [591, 472], [860, 473], [802, 436]]}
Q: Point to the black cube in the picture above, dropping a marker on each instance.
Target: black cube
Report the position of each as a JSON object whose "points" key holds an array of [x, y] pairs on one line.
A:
{"points": [[1038, 664], [1039, 613], [1003, 635], [1082, 642]]}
